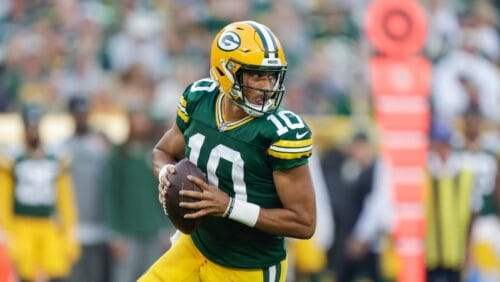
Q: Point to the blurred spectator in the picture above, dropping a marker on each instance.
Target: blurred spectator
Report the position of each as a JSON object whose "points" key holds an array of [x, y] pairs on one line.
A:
{"points": [[82, 72], [465, 78], [481, 161], [450, 208], [28, 59], [88, 151], [38, 209], [136, 87], [54, 49], [359, 190], [139, 43], [8, 85], [484, 27], [444, 29], [283, 17], [140, 229], [484, 168], [166, 92]]}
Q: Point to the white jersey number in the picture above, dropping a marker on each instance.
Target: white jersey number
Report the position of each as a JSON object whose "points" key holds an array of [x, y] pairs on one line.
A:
{"points": [[220, 151], [290, 119]]}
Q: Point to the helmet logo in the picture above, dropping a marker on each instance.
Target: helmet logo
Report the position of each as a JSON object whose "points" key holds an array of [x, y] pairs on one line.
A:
{"points": [[229, 41]]}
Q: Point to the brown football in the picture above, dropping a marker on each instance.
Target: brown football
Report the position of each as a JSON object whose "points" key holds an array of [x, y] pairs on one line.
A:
{"points": [[178, 182]]}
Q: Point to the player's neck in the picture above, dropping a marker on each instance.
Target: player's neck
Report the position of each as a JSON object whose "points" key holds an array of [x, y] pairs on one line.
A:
{"points": [[36, 152], [232, 112]]}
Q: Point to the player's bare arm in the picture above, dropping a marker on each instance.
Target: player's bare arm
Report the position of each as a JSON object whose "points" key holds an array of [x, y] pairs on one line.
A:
{"points": [[168, 150], [296, 219]]}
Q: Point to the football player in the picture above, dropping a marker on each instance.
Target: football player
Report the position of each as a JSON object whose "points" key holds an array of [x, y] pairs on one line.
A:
{"points": [[38, 208], [255, 155]]}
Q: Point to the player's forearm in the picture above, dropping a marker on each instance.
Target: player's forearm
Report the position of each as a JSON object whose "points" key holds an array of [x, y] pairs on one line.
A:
{"points": [[284, 222], [160, 158], [168, 150]]}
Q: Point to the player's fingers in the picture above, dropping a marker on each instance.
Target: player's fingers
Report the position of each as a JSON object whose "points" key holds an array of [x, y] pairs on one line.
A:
{"points": [[198, 213], [202, 208], [165, 182], [171, 169], [162, 197], [166, 178], [202, 184], [162, 191], [194, 205], [192, 194], [164, 209]]}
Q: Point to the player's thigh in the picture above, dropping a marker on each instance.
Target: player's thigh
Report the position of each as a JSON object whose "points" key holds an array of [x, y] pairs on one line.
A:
{"points": [[23, 249], [180, 263], [54, 261], [214, 272]]}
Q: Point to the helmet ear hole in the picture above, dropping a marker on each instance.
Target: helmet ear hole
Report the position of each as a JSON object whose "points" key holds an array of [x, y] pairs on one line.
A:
{"points": [[221, 73]]}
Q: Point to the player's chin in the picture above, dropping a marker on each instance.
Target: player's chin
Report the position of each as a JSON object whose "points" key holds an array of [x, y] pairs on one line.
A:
{"points": [[258, 102]]}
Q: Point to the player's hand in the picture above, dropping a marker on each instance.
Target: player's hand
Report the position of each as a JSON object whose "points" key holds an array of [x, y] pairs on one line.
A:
{"points": [[163, 186], [118, 249], [211, 201], [356, 248]]}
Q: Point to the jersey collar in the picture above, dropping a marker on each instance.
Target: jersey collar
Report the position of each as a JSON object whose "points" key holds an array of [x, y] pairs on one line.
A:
{"points": [[222, 125]]}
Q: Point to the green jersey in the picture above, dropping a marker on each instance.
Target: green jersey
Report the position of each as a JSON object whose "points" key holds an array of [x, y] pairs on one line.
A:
{"points": [[239, 158], [35, 190]]}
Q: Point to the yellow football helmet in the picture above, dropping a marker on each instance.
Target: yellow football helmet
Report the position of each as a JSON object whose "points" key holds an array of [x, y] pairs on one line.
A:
{"points": [[248, 46]]}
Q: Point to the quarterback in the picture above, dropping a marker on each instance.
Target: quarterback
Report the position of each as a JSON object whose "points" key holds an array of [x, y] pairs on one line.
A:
{"points": [[255, 155]]}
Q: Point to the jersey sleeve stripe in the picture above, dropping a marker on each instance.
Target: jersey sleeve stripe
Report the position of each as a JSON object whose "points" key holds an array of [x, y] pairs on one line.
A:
{"points": [[183, 102], [290, 150], [293, 143], [182, 109], [181, 112], [289, 156]]}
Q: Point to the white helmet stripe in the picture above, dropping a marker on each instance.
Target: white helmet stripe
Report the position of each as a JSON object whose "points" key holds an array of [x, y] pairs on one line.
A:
{"points": [[267, 39]]}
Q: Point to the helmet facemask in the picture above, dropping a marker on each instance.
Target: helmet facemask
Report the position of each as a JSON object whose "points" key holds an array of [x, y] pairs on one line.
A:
{"points": [[272, 97]]}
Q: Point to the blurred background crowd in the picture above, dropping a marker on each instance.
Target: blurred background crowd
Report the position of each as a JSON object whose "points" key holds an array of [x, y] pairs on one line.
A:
{"points": [[105, 77]]}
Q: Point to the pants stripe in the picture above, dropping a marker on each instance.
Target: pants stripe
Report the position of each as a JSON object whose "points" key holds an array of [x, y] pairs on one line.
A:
{"points": [[278, 272], [272, 273]]}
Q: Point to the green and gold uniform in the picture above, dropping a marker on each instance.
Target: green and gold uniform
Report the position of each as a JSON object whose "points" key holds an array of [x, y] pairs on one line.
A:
{"points": [[39, 215], [239, 158]]}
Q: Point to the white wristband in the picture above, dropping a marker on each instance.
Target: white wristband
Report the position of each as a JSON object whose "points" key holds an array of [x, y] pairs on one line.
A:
{"points": [[163, 171], [245, 212]]}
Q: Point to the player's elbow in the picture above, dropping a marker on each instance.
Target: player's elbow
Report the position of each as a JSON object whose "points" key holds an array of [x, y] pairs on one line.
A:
{"points": [[306, 232], [308, 228]]}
